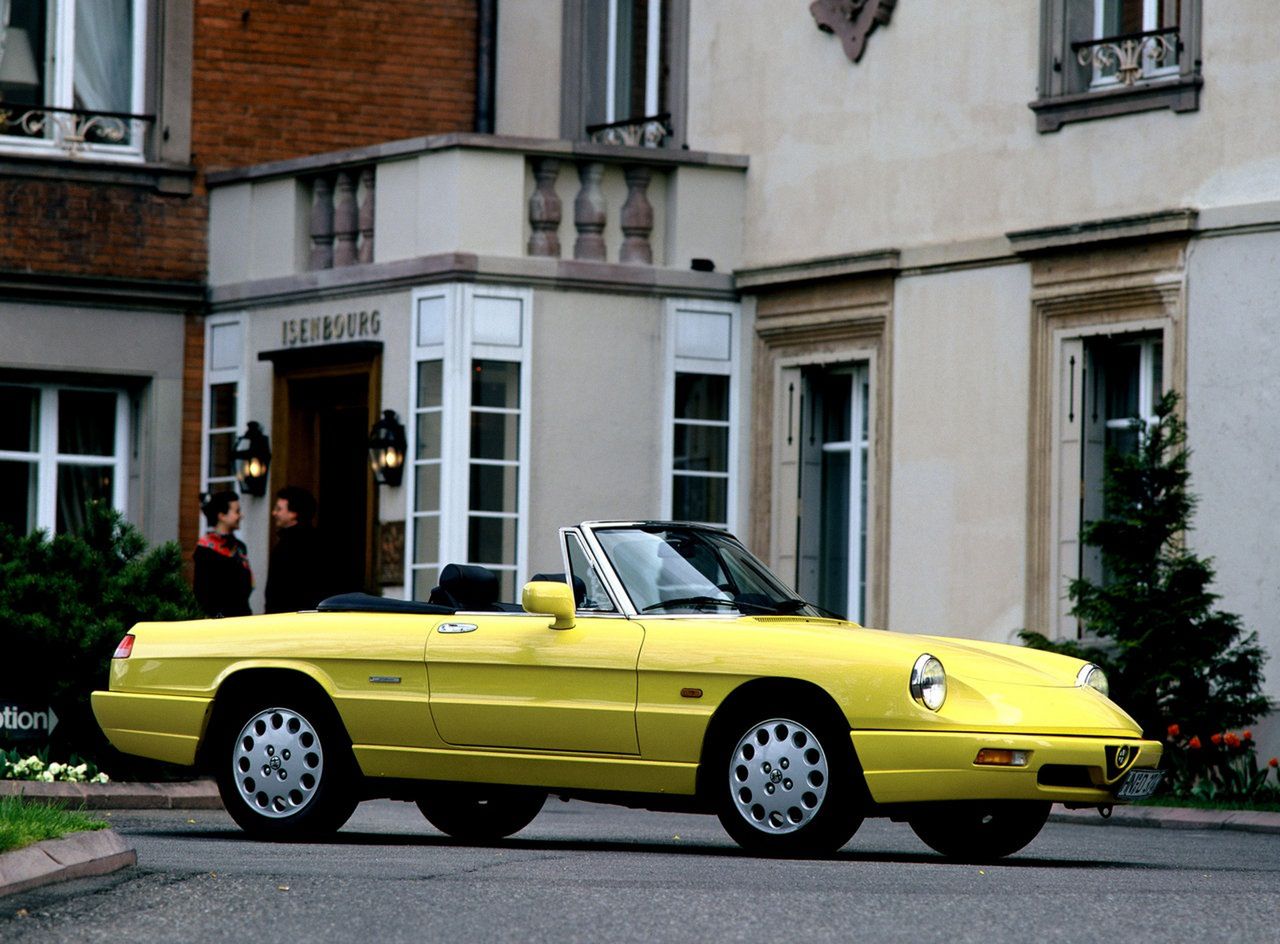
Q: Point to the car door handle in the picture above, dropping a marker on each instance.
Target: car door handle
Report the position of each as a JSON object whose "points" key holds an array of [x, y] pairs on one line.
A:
{"points": [[456, 628]]}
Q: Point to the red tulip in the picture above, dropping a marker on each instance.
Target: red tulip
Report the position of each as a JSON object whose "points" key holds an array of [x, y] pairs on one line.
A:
{"points": [[1216, 738], [1232, 740], [1174, 730], [1194, 743], [1274, 762]]}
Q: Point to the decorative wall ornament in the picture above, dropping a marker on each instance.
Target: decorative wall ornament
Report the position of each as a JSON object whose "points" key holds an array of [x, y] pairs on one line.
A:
{"points": [[852, 20]]}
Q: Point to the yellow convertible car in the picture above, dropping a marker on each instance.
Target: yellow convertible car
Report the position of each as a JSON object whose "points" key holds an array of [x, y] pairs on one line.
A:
{"points": [[666, 668]]}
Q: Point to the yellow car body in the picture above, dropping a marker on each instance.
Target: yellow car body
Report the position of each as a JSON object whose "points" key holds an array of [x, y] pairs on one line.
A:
{"points": [[625, 704]]}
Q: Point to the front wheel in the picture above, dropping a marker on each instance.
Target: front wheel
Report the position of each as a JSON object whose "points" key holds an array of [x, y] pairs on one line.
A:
{"points": [[480, 812], [285, 769], [789, 787], [979, 832]]}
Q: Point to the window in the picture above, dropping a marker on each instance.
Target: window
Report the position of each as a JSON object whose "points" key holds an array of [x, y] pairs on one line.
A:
{"points": [[469, 435], [72, 76], [624, 61], [1112, 57], [61, 447], [1122, 381], [224, 358], [699, 445]]}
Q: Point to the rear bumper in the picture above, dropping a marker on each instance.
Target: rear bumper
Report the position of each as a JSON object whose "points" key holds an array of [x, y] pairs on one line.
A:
{"points": [[162, 727], [913, 767]]}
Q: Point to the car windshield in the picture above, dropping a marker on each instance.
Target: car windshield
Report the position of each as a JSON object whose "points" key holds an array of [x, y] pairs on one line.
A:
{"points": [[668, 569]]}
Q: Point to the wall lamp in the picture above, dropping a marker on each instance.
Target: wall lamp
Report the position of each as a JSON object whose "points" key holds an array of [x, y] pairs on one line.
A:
{"points": [[387, 447], [253, 460]]}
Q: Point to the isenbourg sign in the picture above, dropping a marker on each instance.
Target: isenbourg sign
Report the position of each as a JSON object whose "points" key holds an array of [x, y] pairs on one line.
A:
{"points": [[20, 722]]}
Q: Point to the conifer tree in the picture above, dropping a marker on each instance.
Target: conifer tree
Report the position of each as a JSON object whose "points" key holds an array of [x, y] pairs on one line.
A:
{"points": [[1151, 623]]}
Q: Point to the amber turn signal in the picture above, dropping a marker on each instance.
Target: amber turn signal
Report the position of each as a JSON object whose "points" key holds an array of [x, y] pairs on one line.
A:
{"points": [[998, 757]]}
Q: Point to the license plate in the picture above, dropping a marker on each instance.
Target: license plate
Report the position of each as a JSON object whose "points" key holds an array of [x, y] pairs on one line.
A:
{"points": [[1139, 784]]}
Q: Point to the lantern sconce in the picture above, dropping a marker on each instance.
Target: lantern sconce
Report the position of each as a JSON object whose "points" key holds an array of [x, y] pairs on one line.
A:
{"points": [[387, 446], [253, 460]]}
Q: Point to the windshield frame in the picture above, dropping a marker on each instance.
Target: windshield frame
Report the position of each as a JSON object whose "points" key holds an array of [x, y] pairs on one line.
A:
{"points": [[592, 531]]}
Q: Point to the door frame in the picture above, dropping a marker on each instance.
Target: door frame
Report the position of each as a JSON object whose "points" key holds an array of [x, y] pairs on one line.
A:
{"points": [[352, 360]]}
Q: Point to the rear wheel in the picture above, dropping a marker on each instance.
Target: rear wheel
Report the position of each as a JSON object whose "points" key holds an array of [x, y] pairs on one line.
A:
{"points": [[285, 769], [788, 786], [979, 832], [480, 812]]}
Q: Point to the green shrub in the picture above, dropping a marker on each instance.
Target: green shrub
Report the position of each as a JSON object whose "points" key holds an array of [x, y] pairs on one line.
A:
{"points": [[1175, 662], [65, 603]]}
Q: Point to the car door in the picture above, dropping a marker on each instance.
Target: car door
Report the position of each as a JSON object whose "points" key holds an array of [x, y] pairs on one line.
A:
{"points": [[508, 680]]}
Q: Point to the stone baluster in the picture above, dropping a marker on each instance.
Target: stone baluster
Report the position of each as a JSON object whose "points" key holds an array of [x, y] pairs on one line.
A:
{"points": [[637, 216], [589, 214], [544, 209], [321, 224], [345, 223], [366, 214]]}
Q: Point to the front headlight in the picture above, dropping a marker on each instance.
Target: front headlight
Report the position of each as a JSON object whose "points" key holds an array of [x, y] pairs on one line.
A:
{"points": [[929, 682], [1094, 678]]}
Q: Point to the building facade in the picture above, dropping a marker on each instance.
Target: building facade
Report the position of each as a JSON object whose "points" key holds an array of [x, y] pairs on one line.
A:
{"points": [[874, 284]]}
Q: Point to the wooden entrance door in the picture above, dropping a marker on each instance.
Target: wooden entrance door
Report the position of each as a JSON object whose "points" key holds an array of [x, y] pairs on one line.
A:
{"points": [[322, 417]]}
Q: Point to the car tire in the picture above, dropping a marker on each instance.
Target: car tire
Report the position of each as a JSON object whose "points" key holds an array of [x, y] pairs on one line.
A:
{"points": [[788, 785], [480, 812], [979, 831], [284, 768]]}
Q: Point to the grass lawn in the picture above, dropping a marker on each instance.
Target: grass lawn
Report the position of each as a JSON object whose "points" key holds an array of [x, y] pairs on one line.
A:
{"points": [[1197, 804], [22, 823]]}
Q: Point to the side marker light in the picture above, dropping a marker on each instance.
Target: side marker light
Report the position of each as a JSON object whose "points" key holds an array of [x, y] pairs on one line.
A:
{"points": [[998, 757]]}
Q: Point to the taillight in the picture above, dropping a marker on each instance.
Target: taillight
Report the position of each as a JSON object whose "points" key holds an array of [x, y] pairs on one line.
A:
{"points": [[125, 648]]}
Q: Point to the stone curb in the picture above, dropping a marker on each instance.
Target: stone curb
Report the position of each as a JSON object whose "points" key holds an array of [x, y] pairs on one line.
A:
{"points": [[1174, 817], [78, 855], [182, 795]]}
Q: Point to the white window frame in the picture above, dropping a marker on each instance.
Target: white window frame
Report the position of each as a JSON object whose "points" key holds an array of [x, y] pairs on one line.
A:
{"points": [[47, 459], [222, 375], [457, 349], [59, 58], [677, 363]]}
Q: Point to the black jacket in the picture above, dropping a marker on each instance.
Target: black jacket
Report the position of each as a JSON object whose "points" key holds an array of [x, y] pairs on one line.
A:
{"points": [[297, 576], [222, 583]]}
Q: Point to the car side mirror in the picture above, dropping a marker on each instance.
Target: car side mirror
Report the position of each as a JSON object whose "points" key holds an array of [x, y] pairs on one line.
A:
{"points": [[551, 598]]}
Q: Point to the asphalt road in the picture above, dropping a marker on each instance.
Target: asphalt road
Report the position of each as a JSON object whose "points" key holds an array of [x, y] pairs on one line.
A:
{"points": [[593, 873]]}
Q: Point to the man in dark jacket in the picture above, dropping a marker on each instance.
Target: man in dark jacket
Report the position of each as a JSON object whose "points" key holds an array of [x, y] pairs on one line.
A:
{"points": [[295, 574]]}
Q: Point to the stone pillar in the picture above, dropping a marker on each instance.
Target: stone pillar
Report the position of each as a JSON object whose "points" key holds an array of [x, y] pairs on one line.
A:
{"points": [[589, 213], [321, 224], [544, 209], [345, 223], [366, 215], [637, 216]]}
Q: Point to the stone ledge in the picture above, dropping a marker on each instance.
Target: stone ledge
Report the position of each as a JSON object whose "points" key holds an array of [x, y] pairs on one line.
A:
{"points": [[182, 795]]}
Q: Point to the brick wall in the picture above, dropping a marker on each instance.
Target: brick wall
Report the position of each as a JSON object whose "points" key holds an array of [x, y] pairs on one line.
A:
{"points": [[76, 228], [275, 79]]}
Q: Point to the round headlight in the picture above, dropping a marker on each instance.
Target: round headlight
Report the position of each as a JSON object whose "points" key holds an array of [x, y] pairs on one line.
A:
{"points": [[929, 682], [1095, 678]]}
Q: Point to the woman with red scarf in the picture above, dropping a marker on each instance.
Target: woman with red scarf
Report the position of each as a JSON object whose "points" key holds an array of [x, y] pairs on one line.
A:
{"points": [[223, 578]]}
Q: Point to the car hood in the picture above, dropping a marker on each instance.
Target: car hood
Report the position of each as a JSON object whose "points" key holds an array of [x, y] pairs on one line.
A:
{"points": [[990, 686]]}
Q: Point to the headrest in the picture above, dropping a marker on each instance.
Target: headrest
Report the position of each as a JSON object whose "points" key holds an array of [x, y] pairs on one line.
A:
{"points": [[467, 587]]}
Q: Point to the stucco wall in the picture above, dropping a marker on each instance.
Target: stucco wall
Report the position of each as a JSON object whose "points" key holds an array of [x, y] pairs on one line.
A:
{"points": [[1233, 422], [929, 138], [959, 453], [596, 413]]}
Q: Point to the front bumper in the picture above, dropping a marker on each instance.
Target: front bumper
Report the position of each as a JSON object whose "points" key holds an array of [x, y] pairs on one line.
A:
{"points": [[915, 767]]}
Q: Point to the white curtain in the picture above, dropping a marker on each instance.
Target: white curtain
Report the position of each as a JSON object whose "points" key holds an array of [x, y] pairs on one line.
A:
{"points": [[104, 55]]}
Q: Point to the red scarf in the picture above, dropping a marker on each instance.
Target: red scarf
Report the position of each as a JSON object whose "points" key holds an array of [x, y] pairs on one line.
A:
{"points": [[226, 545]]}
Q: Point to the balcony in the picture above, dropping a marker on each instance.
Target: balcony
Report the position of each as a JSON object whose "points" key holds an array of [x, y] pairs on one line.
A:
{"points": [[527, 209]]}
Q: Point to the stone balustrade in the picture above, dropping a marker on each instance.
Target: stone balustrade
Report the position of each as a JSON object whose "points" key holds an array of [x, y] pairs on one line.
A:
{"points": [[486, 196], [342, 215]]}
